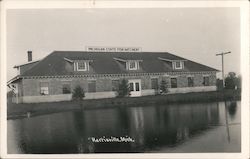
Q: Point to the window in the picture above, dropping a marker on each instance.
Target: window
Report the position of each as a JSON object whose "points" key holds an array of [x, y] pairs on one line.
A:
{"points": [[131, 87], [154, 83], [178, 65], [190, 81], [91, 86], [115, 85], [133, 65], [137, 86], [173, 82], [66, 88], [81, 66], [44, 88], [206, 81]]}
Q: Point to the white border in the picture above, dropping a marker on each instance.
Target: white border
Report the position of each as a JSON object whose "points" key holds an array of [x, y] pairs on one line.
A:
{"points": [[244, 7]]}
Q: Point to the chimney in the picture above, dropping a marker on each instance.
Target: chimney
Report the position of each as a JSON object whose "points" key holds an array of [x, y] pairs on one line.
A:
{"points": [[29, 56]]}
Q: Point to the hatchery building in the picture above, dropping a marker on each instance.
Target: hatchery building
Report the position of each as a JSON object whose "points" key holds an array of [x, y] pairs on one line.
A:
{"points": [[99, 73]]}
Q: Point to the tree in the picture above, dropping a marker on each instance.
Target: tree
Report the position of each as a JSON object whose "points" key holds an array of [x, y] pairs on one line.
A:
{"points": [[231, 81], [123, 89], [78, 93], [163, 87]]}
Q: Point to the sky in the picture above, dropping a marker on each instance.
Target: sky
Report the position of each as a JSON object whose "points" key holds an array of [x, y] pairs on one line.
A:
{"points": [[193, 33]]}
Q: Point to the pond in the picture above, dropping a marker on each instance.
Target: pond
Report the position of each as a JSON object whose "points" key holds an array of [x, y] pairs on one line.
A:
{"points": [[180, 128]]}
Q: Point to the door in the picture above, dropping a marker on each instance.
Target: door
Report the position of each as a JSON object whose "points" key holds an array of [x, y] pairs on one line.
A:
{"points": [[135, 87]]}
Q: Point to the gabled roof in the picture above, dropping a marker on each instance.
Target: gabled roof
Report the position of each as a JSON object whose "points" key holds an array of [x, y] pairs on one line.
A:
{"points": [[104, 63], [30, 62]]}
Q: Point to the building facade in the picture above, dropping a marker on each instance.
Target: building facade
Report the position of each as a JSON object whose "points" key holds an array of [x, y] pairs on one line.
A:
{"points": [[100, 73]]}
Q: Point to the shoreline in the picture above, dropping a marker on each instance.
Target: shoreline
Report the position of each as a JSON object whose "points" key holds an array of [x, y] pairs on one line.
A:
{"points": [[17, 111]]}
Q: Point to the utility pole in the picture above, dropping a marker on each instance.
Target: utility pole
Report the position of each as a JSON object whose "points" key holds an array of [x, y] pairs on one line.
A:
{"points": [[222, 60]]}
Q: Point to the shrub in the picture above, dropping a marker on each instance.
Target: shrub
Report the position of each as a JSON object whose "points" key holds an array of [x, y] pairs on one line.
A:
{"points": [[163, 87], [78, 93], [123, 89], [231, 81]]}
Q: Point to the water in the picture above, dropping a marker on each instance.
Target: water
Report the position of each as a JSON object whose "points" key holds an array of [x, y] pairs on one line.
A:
{"points": [[199, 127]]}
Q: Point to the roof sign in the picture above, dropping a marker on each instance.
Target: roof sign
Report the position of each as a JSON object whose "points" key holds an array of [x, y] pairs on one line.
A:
{"points": [[112, 49]]}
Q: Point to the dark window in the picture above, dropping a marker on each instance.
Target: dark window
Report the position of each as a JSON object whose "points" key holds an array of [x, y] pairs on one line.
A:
{"points": [[154, 83], [81, 66], [178, 64], [206, 81], [66, 89], [173, 82], [115, 85], [190, 81], [91, 86], [137, 86], [131, 86], [132, 65]]}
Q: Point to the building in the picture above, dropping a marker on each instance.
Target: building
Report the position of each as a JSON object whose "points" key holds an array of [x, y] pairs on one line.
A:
{"points": [[99, 74]]}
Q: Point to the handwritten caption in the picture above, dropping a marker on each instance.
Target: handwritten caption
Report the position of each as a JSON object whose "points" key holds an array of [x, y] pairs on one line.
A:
{"points": [[111, 139]]}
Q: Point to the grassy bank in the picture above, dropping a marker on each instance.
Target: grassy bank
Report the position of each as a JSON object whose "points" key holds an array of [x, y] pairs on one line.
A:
{"points": [[20, 110]]}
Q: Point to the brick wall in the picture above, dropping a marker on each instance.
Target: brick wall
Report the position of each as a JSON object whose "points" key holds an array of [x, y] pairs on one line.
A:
{"points": [[79, 81], [103, 85], [55, 86], [146, 83], [31, 87], [20, 88], [212, 79], [198, 80], [182, 81]]}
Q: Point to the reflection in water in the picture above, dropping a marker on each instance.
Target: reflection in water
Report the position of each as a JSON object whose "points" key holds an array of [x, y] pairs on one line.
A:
{"points": [[226, 118], [232, 108], [152, 128], [137, 127], [83, 145]]}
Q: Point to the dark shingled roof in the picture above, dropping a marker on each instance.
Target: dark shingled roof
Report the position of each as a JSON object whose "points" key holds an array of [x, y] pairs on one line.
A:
{"points": [[104, 63]]}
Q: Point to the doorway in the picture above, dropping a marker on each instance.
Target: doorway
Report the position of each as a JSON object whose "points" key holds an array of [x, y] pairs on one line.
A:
{"points": [[135, 87]]}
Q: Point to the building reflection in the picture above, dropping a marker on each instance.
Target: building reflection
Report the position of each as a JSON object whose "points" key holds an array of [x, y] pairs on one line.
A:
{"points": [[231, 107], [44, 134], [151, 127], [105, 124], [83, 144], [170, 125], [137, 127]]}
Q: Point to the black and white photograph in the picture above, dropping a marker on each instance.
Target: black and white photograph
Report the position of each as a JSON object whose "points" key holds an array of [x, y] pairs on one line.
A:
{"points": [[99, 79]]}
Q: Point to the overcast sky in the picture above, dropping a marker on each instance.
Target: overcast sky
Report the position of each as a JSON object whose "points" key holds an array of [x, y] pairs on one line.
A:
{"points": [[193, 33]]}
